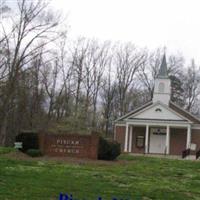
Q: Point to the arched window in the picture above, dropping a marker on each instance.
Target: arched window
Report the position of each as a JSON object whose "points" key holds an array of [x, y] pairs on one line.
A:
{"points": [[161, 87]]}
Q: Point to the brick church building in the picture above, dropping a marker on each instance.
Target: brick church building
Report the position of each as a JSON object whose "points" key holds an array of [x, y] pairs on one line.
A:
{"points": [[160, 126]]}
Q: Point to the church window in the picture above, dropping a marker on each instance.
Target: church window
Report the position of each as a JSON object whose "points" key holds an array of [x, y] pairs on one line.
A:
{"points": [[140, 141]]}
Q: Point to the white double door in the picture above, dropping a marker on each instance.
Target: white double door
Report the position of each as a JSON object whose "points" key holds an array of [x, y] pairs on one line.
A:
{"points": [[157, 143]]}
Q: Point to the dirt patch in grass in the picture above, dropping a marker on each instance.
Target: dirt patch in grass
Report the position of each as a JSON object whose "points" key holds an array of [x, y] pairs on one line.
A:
{"points": [[18, 155]]}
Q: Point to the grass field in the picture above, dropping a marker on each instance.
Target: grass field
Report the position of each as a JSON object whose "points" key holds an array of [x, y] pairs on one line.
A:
{"points": [[128, 178]]}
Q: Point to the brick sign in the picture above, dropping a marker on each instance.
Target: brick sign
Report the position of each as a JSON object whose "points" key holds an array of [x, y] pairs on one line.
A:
{"points": [[81, 146]]}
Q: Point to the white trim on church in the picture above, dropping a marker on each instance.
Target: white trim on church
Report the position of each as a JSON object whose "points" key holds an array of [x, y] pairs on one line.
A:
{"points": [[158, 118]]}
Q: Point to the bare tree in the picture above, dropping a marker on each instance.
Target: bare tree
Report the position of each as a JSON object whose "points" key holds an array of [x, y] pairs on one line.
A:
{"points": [[79, 52], [103, 59], [128, 61], [89, 59], [50, 80], [32, 24], [191, 86], [108, 93], [63, 107]]}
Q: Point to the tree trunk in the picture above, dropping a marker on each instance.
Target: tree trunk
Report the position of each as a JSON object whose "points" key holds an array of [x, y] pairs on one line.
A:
{"points": [[3, 132]]}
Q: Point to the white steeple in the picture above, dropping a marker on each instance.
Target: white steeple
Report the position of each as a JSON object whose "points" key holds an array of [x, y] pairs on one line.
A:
{"points": [[162, 87]]}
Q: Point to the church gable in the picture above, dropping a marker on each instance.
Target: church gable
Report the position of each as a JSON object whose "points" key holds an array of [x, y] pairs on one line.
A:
{"points": [[160, 108], [158, 111]]}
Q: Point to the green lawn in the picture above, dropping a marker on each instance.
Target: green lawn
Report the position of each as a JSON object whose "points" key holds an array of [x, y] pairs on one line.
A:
{"points": [[4, 150], [130, 178]]}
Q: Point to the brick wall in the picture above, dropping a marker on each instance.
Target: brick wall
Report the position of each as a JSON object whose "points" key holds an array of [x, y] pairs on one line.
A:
{"points": [[178, 139], [120, 135], [81, 146], [196, 138]]}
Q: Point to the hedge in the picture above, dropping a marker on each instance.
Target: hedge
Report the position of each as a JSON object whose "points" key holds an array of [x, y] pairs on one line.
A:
{"points": [[34, 152], [108, 150], [29, 139]]}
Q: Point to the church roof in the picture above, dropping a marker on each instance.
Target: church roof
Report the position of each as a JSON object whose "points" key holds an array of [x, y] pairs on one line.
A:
{"points": [[163, 69], [183, 112], [172, 106], [169, 112]]}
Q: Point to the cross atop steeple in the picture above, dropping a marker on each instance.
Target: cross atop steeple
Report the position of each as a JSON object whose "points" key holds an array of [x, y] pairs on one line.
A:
{"points": [[163, 68]]}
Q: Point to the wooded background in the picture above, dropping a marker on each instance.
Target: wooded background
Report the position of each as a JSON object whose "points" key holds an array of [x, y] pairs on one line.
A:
{"points": [[49, 81]]}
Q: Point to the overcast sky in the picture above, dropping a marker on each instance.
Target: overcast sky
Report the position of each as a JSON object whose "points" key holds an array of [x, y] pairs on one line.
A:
{"points": [[174, 24], [147, 23]]}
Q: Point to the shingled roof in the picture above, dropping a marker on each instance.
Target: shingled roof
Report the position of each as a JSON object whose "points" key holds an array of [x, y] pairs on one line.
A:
{"points": [[184, 113]]}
